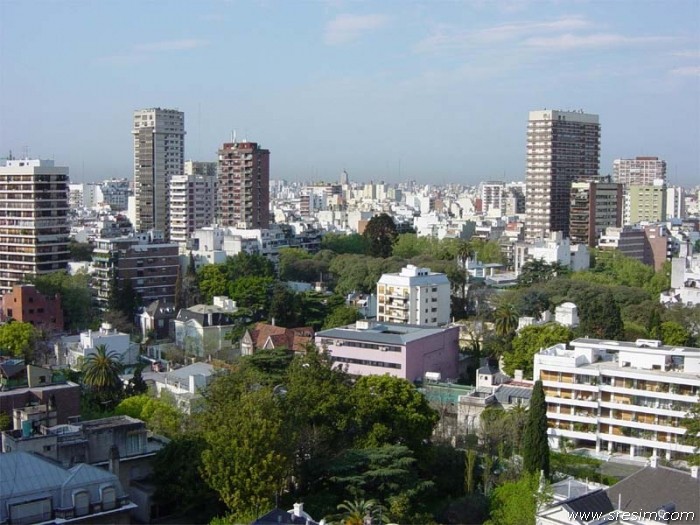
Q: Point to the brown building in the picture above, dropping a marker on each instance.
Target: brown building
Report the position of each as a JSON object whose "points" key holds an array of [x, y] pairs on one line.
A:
{"points": [[244, 186], [562, 147], [146, 260], [595, 205], [25, 304], [266, 336]]}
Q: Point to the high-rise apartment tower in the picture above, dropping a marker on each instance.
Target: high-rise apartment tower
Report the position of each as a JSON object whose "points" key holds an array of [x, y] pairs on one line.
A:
{"points": [[562, 146], [33, 220], [159, 154], [244, 185]]}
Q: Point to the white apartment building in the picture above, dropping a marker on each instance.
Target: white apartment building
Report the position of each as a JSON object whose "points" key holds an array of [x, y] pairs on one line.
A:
{"points": [[675, 202], [414, 296], [685, 278], [192, 205], [556, 249], [34, 228], [619, 397], [640, 170], [493, 198], [159, 154], [75, 349]]}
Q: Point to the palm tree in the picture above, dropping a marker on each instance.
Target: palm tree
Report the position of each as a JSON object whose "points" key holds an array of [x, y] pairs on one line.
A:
{"points": [[506, 320], [359, 511], [101, 371]]}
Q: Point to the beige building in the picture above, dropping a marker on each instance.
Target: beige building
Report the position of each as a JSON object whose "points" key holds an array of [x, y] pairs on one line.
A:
{"points": [[646, 203], [33, 224], [192, 205], [640, 170], [414, 296], [159, 154], [562, 147], [620, 397]]}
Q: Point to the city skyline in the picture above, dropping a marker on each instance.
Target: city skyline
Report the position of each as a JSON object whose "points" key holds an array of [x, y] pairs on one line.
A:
{"points": [[436, 92]]}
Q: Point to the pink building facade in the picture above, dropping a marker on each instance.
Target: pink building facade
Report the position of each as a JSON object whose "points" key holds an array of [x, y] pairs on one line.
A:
{"points": [[406, 351]]}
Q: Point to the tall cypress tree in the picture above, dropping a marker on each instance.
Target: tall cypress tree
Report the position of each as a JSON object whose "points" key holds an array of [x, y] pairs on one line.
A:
{"points": [[535, 444]]}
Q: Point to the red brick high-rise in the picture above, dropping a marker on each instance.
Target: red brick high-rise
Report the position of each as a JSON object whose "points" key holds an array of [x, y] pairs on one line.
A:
{"points": [[243, 198]]}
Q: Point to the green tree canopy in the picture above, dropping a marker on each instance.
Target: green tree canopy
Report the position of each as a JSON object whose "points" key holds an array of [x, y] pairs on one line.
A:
{"points": [[601, 318], [390, 411], [341, 243], [342, 315], [535, 440], [76, 298], [380, 234], [529, 341], [18, 339], [101, 371], [691, 423], [517, 502]]}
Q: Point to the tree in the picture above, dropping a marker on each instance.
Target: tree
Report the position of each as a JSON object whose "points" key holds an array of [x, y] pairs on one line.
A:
{"points": [[533, 303], [673, 334], [506, 320], [252, 292], [601, 318], [380, 234], [246, 459], [285, 307], [18, 339], [342, 315], [212, 281], [358, 511], [137, 385], [517, 502], [389, 410], [101, 371], [470, 471], [341, 243], [179, 484], [531, 340], [691, 423], [535, 441], [76, 297], [535, 271]]}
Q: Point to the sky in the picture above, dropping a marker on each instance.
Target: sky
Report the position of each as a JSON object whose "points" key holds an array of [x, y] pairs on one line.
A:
{"points": [[434, 91]]}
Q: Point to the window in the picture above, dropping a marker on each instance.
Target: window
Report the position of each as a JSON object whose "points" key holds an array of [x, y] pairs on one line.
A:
{"points": [[81, 502], [109, 498]]}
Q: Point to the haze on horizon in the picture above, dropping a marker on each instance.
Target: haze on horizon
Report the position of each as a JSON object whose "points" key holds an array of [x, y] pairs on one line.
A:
{"points": [[433, 91]]}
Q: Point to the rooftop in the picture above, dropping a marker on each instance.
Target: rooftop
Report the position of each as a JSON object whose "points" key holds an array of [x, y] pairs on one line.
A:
{"points": [[386, 333]]}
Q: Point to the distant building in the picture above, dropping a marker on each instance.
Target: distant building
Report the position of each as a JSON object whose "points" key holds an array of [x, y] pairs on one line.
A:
{"points": [[562, 147], [493, 196], [640, 170], [145, 260], [159, 153], [594, 207], [414, 296], [201, 168], [154, 320], [192, 205], [555, 249], [685, 278], [400, 350], [35, 230], [202, 330], [24, 303], [244, 185], [646, 203]]}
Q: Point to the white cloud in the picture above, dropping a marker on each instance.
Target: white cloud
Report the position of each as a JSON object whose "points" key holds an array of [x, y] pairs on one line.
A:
{"points": [[570, 41], [347, 28], [447, 39], [687, 53], [170, 45], [686, 71]]}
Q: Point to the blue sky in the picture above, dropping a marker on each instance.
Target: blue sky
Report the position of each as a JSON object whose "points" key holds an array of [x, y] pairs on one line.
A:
{"points": [[435, 91]]}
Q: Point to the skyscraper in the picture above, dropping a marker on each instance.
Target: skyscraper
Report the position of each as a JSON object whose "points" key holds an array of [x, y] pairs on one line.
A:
{"points": [[192, 205], [562, 146], [642, 171], [33, 220], [244, 185], [159, 154]]}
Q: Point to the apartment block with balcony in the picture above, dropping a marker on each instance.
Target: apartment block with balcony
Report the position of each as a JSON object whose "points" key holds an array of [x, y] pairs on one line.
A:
{"points": [[145, 259], [620, 397], [192, 205], [34, 227], [414, 296]]}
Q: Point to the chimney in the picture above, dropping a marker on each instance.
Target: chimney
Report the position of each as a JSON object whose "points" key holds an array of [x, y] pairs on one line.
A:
{"points": [[272, 322], [298, 510], [694, 472], [114, 460]]}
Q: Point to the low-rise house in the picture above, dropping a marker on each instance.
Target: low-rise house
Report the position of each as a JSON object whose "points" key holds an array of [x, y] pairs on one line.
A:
{"points": [[154, 320], [651, 496], [24, 303], [401, 350], [203, 330], [120, 443], [33, 489], [268, 337], [37, 394], [294, 516], [75, 349]]}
